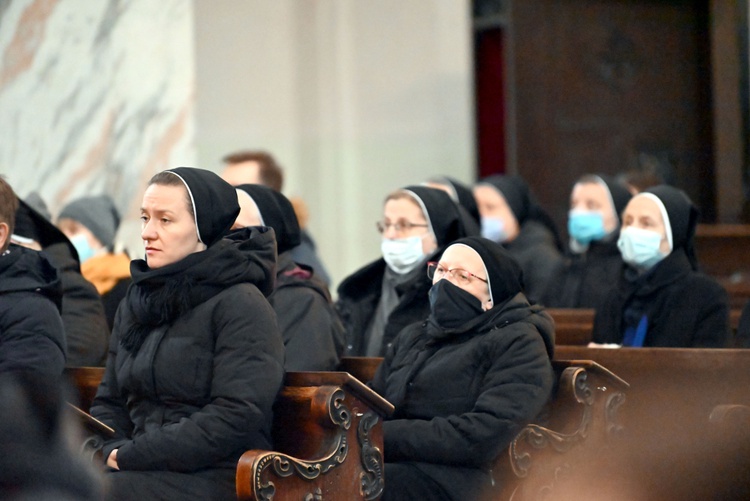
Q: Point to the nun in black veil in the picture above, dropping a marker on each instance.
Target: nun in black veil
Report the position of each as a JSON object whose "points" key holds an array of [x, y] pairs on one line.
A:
{"points": [[381, 298], [661, 299], [467, 379], [196, 357], [313, 335], [511, 216]]}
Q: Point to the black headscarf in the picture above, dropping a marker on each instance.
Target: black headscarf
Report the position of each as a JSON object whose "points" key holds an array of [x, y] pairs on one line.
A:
{"points": [[522, 202], [504, 275], [620, 195], [683, 218], [277, 212], [32, 224], [214, 202], [442, 213], [463, 195]]}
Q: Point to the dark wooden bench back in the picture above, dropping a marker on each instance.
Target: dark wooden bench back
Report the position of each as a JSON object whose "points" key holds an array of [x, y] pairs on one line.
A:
{"points": [[672, 449]]}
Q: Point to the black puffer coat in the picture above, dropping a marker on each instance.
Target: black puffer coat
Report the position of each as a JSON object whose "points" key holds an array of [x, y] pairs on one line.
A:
{"points": [[461, 395], [313, 334], [198, 391], [31, 330], [358, 299], [584, 280], [86, 328], [685, 308], [536, 251]]}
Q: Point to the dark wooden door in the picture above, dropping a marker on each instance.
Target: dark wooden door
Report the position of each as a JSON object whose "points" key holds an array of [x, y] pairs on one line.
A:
{"points": [[608, 86]]}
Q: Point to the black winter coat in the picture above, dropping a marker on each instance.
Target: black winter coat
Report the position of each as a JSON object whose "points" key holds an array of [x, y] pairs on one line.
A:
{"points": [[86, 328], [198, 392], [462, 395], [31, 330], [358, 299], [313, 335], [685, 309], [535, 249], [584, 280]]}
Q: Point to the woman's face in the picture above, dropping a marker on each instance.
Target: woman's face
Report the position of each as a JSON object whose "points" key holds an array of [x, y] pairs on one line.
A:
{"points": [[462, 257], [593, 197], [168, 229], [405, 212], [492, 204], [642, 212]]}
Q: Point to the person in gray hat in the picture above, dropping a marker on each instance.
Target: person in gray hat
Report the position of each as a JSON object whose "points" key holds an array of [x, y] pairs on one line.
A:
{"points": [[91, 225]]}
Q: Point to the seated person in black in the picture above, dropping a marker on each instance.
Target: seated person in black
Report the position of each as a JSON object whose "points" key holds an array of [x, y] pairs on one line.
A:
{"points": [[511, 216], [31, 331], [660, 299], [86, 329], [196, 357], [466, 380], [593, 263], [383, 297], [313, 334]]}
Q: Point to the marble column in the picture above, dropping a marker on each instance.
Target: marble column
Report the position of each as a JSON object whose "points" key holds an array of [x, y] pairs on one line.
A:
{"points": [[95, 97]]}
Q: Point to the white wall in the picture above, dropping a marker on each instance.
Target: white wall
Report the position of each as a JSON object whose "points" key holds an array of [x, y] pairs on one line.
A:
{"points": [[354, 97], [95, 96]]}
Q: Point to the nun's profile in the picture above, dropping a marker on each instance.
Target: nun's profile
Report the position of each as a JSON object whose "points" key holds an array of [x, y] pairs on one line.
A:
{"points": [[465, 381], [593, 263], [196, 357], [383, 297], [313, 335], [661, 300], [511, 216]]}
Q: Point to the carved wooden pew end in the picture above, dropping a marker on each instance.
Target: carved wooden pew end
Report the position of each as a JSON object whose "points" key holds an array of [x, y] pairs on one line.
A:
{"points": [[581, 420], [328, 438]]}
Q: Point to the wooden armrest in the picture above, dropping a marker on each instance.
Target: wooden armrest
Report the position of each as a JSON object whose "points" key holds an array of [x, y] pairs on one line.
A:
{"points": [[582, 416], [328, 438]]}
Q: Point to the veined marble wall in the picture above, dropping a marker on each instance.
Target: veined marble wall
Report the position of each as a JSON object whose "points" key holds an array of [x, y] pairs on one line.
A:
{"points": [[95, 97]]}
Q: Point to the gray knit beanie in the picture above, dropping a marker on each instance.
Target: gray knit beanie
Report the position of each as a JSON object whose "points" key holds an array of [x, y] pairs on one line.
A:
{"points": [[98, 214]]}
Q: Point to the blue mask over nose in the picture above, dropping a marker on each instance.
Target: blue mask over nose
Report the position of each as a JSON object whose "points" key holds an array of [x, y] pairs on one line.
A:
{"points": [[84, 250], [640, 248], [586, 226], [494, 229]]}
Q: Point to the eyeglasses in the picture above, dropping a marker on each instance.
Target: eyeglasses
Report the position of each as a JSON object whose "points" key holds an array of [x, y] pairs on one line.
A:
{"points": [[463, 277], [398, 227]]}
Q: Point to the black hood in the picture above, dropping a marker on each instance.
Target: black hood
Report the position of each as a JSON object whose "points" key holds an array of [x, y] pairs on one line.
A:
{"points": [[32, 224], [683, 218], [26, 270], [214, 202], [522, 202], [442, 213], [277, 212]]}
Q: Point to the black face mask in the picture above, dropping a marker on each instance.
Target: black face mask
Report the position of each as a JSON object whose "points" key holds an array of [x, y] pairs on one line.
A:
{"points": [[452, 306]]}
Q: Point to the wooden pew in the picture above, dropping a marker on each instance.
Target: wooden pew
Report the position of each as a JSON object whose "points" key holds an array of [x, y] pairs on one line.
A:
{"points": [[327, 432], [328, 443], [84, 381], [573, 326], [578, 423], [722, 251], [670, 448]]}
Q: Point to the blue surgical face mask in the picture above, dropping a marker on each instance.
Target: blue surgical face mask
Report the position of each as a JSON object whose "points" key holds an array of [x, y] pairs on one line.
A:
{"points": [[493, 228], [639, 247], [84, 250], [402, 254], [586, 226]]}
